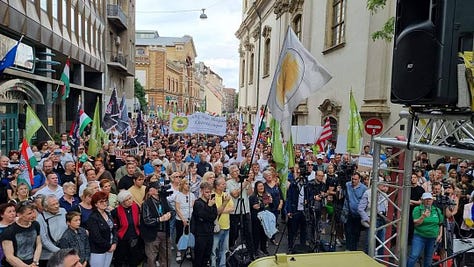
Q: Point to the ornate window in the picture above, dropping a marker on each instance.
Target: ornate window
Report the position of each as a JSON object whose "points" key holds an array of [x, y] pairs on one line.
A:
{"points": [[335, 33], [266, 57], [296, 25]]}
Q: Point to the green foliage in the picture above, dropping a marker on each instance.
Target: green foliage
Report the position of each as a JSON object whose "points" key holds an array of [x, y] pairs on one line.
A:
{"points": [[387, 31], [139, 93], [374, 5]]}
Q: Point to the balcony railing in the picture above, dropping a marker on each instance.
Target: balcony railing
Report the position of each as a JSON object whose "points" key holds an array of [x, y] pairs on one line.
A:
{"points": [[116, 16], [119, 62]]}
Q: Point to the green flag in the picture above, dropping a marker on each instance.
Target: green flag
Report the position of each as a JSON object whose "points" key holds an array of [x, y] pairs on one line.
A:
{"points": [[291, 154], [354, 133], [279, 156], [32, 125], [95, 140]]}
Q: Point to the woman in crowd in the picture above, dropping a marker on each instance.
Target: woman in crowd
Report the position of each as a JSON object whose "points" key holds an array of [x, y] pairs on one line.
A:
{"points": [[14, 157], [208, 177], [21, 241], [127, 218], [194, 179], [7, 215], [12, 186], [69, 201], [82, 176], [85, 206], [427, 220], [259, 201], [106, 187], [102, 234], [22, 193], [450, 212], [184, 201]]}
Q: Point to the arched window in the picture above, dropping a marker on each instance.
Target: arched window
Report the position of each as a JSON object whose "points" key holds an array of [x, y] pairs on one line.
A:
{"points": [[266, 58], [251, 68]]}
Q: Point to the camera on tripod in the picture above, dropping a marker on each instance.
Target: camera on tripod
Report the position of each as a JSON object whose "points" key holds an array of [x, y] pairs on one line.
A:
{"points": [[164, 190]]}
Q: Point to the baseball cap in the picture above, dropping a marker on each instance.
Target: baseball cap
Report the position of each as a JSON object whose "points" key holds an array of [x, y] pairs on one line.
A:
{"points": [[58, 151], [426, 195], [319, 156], [332, 157]]}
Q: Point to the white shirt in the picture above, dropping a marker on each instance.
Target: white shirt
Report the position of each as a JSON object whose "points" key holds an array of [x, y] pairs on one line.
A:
{"points": [[45, 191]]}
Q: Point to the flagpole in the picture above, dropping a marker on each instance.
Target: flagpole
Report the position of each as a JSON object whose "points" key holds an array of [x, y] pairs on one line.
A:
{"points": [[42, 125]]}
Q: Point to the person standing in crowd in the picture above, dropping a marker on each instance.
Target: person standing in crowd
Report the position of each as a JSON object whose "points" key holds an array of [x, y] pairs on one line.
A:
{"points": [[178, 165], [102, 233], [260, 200], [75, 237], [138, 189], [106, 187], [69, 174], [52, 186], [202, 225], [52, 223], [272, 188], [39, 181], [194, 179], [102, 173], [127, 180], [203, 166], [126, 216], [21, 240], [415, 200], [354, 192], [428, 221], [65, 257], [240, 192], [295, 202], [7, 217], [22, 192], [382, 208], [85, 207], [154, 226], [184, 201], [224, 205]]}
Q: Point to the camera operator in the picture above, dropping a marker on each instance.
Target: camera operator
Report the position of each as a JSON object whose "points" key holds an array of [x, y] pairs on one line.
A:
{"points": [[154, 225], [317, 193], [295, 203], [448, 204]]}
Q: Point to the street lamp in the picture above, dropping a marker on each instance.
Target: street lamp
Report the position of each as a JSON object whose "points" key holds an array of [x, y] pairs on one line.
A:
{"points": [[203, 15]]}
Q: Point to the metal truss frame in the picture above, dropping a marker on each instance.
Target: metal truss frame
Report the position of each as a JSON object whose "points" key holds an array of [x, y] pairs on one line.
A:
{"points": [[433, 132]]}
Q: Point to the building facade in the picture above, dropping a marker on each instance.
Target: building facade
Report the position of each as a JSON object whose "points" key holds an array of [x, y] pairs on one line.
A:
{"points": [[165, 68], [213, 89], [337, 34], [228, 102]]}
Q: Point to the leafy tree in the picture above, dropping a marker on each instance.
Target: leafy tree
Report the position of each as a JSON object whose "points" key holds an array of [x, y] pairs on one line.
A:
{"points": [[388, 29], [139, 93]]}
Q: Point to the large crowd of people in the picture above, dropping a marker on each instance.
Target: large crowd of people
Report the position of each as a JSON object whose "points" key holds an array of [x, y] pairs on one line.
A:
{"points": [[127, 206]]}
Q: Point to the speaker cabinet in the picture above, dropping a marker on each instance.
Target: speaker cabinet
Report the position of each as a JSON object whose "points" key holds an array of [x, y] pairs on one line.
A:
{"points": [[428, 37]]}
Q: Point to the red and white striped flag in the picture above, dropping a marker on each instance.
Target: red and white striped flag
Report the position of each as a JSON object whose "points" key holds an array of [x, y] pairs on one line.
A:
{"points": [[326, 135]]}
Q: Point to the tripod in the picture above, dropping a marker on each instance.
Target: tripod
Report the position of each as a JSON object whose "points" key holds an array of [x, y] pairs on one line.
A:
{"points": [[243, 256]]}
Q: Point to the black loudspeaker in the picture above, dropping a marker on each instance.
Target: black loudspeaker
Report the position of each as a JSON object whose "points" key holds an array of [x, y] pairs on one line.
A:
{"points": [[429, 34], [21, 121]]}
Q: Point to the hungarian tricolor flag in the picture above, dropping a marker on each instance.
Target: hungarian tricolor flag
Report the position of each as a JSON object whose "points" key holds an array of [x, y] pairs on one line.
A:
{"points": [[325, 136], [27, 164], [65, 79], [78, 126]]}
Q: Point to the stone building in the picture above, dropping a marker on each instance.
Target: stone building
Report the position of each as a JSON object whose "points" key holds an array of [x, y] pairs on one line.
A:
{"points": [[94, 35], [165, 68], [337, 34]]}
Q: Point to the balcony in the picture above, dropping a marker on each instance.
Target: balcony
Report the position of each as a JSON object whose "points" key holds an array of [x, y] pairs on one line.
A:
{"points": [[116, 17], [119, 62], [142, 59]]}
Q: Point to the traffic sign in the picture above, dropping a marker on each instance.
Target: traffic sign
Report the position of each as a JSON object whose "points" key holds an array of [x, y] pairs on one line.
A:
{"points": [[373, 126]]}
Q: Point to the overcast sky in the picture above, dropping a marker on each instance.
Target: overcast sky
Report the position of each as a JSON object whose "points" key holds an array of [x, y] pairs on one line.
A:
{"points": [[214, 39]]}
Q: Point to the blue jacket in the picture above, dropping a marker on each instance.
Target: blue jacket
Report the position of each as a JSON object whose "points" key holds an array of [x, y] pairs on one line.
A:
{"points": [[292, 196]]}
